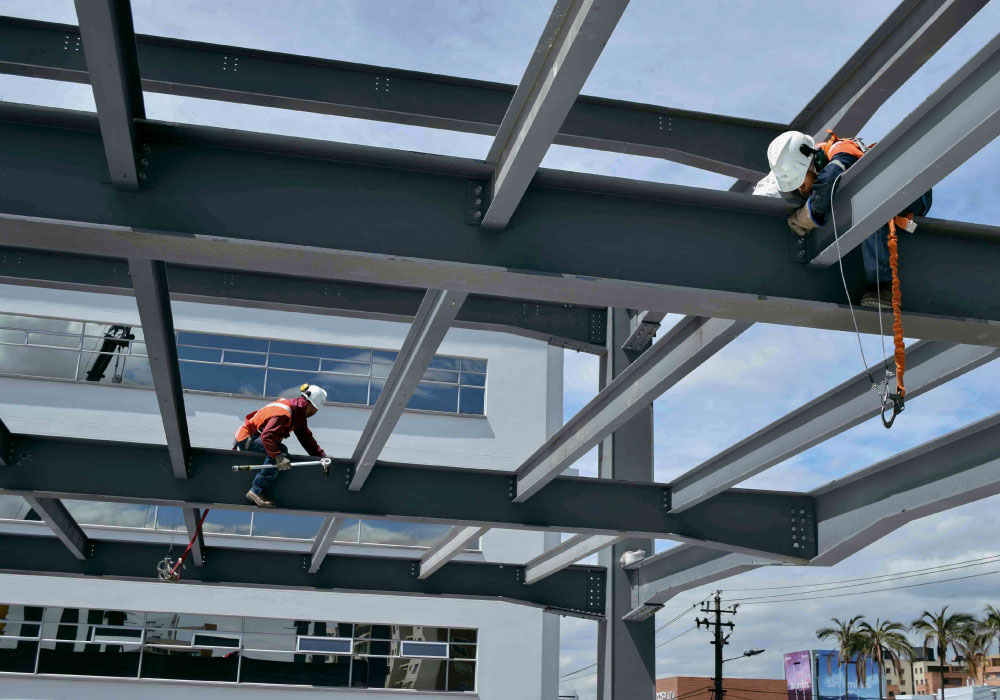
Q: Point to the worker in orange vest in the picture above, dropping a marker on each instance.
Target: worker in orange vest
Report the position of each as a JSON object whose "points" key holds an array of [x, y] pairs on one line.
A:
{"points": [[265, 430], [801, 170]]}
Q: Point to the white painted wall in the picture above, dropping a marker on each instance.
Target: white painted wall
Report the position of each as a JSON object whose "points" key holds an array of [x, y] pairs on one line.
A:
{"points": [[524, 395]]}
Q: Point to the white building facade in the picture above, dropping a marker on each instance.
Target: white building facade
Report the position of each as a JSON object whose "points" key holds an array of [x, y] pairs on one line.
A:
{"points": [[72, 365]]}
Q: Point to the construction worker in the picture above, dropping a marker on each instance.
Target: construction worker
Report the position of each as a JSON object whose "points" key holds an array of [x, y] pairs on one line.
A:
{"points": [[265, 430], [801, 169]]}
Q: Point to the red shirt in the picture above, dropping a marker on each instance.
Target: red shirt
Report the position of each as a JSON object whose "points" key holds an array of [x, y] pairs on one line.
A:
{"points": [[277, 428]]}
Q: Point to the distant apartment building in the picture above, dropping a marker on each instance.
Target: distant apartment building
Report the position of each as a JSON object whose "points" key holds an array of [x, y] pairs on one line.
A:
{"points": [[700, 688]]}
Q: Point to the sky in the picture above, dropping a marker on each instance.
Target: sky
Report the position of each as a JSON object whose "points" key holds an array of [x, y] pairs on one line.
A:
{"points": [[739, 58]]}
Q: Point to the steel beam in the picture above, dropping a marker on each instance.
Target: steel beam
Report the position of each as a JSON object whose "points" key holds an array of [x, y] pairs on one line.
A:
{"points": [[109, 48], [726, 145], [433, 319], [566, 553], [953, 124], [448, 547], [62, 524], [569, 47], [568, 591], [929, 364], [680, 351], [328, 530], [908, 37], [152, 297], [403, 224], [748, 521], [855, 511], [562, 325], [643, 327]]}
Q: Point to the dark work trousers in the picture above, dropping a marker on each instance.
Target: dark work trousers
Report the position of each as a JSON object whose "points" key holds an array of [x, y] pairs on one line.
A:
{"points": [[265, 477]]}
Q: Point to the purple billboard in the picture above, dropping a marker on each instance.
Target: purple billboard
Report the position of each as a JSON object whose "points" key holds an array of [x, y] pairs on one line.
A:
{"points": [[798, 675]]}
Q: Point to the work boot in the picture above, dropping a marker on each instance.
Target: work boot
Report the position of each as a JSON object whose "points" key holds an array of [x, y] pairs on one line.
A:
{"points": [[259, 500], [873, 298]]}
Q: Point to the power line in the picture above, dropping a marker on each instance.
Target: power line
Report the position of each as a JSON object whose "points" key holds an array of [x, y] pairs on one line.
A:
{"points": [[681, 614], [566, 675], [877, 590], [675, 637], [928, 570]]}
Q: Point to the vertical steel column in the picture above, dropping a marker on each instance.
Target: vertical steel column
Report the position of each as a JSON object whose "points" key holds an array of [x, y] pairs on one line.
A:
{"points": [[626, 658]]}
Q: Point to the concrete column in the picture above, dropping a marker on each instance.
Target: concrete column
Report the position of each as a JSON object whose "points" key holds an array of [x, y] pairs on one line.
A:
{"points": [[626, 659]]}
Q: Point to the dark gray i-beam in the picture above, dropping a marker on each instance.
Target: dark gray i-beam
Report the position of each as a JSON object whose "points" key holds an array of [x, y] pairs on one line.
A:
{"points": [[626, 660], [152, 296], [109, 47]]}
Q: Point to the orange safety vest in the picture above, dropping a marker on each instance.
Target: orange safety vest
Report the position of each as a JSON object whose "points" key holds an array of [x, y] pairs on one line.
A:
{"points": [[835, 145], [255, 421]]}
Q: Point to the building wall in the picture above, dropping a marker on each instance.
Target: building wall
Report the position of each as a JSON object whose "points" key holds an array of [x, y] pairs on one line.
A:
{"points": [[523, 406], [699, 688]]}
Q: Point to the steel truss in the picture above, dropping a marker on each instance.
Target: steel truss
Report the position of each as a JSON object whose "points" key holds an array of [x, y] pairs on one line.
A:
{"points": [[90, 202]]}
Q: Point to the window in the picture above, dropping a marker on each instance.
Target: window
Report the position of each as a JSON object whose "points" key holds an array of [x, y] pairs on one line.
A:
{"points": [[431, 650], [202, 639], [324, 645], [223, 364], [111, 635]]}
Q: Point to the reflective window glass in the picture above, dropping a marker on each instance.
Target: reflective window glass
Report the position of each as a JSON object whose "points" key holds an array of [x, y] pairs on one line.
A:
{"points": [[469, 365], [171, 622], [376, 390], [373, 631], [245, 358], [20, 629], [442, 362], [464, 636], [288, 525], [12, 336], [472, 401], [11, 612], [108, 513], [13, 507], [59, 341], [401, 533], [384, 357], [461, 676], [17, 655], [421, 633], [381, 371], [330, 352], [327, 645], [226, 379], [229, 342], [84, 659], [186, 352], [228, 522], [206, 639], [38, 362], [376, 647], [115, 368], [473, 379], [190, 664], [424, 649], [329, 671], [463, 651], [41, 324], [345, 367], [400, 672], [435, 397], [293, 362], [170, 518], [441, 375], [339, 389]]}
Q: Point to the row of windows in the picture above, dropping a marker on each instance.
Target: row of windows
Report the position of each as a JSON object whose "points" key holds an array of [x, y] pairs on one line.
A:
{"points": [[242, 523], [129, 644], [100, 352]]}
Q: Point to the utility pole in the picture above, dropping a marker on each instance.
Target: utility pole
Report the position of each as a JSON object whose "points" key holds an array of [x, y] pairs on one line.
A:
{"points": [[718, 639]]}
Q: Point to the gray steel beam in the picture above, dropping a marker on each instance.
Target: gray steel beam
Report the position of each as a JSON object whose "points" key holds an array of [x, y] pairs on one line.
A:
{"points": [[433, 319], [403, 224], [727, 145], [908, 37], [748, 521], [570, 591], [328, 530], [566, 553], [855, 511], [569, 47], [113, 68], [680, 351], [448, 547], [929, 364], [62, 524], [152, 297], [953, 124], [643, 326], [562, 325]]}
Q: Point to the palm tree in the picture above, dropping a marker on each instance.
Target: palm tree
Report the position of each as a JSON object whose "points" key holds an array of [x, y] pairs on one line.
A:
{"points": [[883, 641], [973, 646], [991, 623], [944, 629], [845, 634]]}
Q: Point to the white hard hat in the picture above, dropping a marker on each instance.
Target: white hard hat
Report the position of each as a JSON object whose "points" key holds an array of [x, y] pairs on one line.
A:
{"points": [[315, 394], [788, 161]]}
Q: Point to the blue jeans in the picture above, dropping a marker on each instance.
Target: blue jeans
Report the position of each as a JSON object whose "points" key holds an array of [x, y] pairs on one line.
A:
{"points": [[265, 477], [877, 270]]}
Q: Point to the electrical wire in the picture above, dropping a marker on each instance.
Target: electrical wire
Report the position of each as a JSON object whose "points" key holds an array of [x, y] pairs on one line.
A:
{"points": [[689, 629], [877, 590], [567, 675], [929, 569], [681, 614]]}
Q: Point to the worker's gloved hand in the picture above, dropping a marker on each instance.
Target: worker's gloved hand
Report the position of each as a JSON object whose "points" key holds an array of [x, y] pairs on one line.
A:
{"points": [[322, 454], [800, 221], [283, 463]]}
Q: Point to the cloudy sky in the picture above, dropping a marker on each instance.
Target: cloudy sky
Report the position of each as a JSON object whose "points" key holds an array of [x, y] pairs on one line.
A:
{"points": [[742, 58]]}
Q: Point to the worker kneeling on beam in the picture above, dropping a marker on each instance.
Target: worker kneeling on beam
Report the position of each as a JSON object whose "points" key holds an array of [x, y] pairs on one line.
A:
{"points": [[266, 429], [807, 172]]}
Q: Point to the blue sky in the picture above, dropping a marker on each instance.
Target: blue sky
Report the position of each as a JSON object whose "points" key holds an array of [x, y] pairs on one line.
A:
{"points": [[750, 59]]}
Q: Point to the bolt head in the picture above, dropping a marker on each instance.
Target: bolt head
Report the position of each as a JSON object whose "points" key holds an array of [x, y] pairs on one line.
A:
{"points": [[477, 214], [479, 200], [146, 148], [479, 189], [144, 162], [802, 253], [142, 176]]}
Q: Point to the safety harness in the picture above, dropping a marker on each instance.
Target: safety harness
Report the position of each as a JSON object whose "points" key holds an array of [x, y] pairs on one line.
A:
{"points": [[167, 569], [824, 154]]}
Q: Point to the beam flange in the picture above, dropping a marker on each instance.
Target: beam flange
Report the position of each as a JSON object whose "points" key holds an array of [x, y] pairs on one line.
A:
{"points": [[953, 124], [565, 554], [929, 364], [680, 351], [569, 47], [447, 548], [62, 524], [113, 67]]}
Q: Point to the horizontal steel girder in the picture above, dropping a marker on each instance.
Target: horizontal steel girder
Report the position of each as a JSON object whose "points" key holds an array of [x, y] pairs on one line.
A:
{"points": [[855, 511], [726, 145], [569, 590], [400, 220], [562, 325], [753, 521]]}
